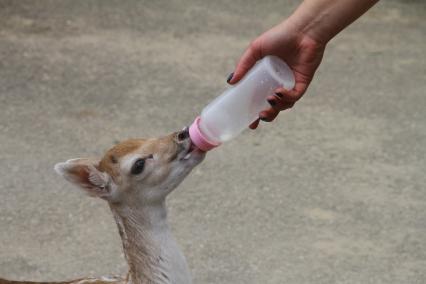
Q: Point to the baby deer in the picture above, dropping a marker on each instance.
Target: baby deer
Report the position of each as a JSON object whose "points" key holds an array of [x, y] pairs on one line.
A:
{"points": [[135, 177]]}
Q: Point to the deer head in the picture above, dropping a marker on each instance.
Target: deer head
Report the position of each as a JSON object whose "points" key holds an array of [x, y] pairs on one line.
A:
{"points": [[142, 171]]}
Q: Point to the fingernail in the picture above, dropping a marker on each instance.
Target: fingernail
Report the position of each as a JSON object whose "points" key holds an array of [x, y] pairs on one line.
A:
{"points": [[279, 95], [272, 102], [230, 77]]}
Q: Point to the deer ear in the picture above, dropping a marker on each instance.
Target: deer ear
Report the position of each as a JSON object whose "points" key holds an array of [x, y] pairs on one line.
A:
{"points": [[84, 174]]}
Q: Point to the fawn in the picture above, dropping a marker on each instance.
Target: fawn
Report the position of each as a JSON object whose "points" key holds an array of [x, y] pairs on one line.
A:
{"points": [[135, 177]]}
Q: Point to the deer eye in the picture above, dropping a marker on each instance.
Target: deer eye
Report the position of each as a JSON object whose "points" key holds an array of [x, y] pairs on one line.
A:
{"points": [[138, 167]]}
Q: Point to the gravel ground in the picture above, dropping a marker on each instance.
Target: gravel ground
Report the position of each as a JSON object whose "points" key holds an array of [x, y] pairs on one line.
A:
{"points": [[333, 192]]}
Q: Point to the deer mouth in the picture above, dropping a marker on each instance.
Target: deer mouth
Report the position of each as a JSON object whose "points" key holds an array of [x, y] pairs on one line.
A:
{"points": [[188, 150]]}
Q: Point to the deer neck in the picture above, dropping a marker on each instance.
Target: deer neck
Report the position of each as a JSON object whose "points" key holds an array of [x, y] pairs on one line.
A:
{"points": [[151, 252]]}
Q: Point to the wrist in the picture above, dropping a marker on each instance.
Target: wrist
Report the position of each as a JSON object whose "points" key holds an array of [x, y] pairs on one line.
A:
{"points": [[321, 20], [309, 25], [304, 34]]}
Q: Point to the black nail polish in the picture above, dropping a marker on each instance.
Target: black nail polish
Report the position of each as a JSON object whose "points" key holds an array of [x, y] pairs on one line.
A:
{"points": [[272, 102], [230, 77], [279, 95]]}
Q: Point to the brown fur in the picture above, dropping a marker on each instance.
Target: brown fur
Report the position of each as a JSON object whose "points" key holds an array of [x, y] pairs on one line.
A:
{"points": [[111, 157], [110, 160]]}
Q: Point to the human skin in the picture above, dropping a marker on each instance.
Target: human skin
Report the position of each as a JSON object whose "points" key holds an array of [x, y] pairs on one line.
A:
{"points": [[300, 41]]}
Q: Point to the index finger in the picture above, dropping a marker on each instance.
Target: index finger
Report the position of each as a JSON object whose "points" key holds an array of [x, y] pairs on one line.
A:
{"points": [[247, 60]]}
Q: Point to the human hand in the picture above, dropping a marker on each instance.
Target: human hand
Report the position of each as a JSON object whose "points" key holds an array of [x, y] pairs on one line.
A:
{"points": [[302, 54]]}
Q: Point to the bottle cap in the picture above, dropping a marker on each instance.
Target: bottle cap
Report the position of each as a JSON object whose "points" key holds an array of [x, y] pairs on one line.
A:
{"points": [[199, 139]]}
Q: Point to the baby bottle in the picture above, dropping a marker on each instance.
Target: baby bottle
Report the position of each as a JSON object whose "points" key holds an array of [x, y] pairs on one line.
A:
{"points": [[238, 106]]}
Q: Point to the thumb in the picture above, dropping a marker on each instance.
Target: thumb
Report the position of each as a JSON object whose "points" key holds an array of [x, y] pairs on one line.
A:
{"points": [[246, 62]]}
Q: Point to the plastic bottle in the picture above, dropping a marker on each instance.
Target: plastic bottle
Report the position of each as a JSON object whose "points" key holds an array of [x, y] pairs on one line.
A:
{"points": [[233, 111]]}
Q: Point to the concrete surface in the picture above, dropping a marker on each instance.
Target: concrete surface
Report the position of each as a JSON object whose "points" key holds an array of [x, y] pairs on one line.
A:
{"points": [[333, 192]]}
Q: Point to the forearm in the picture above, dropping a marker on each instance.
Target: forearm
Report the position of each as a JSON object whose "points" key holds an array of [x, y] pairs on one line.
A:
{"points": [[323, 19]]}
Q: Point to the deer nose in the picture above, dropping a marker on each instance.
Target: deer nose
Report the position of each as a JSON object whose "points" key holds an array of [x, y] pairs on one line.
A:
{"points": [[183, 134]]}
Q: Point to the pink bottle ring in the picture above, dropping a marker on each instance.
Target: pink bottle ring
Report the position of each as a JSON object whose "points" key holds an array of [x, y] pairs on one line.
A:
{"points": [[199, 139]]}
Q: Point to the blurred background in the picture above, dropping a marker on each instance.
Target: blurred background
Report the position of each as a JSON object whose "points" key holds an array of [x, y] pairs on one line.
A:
{"points": [[334, 191]]}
